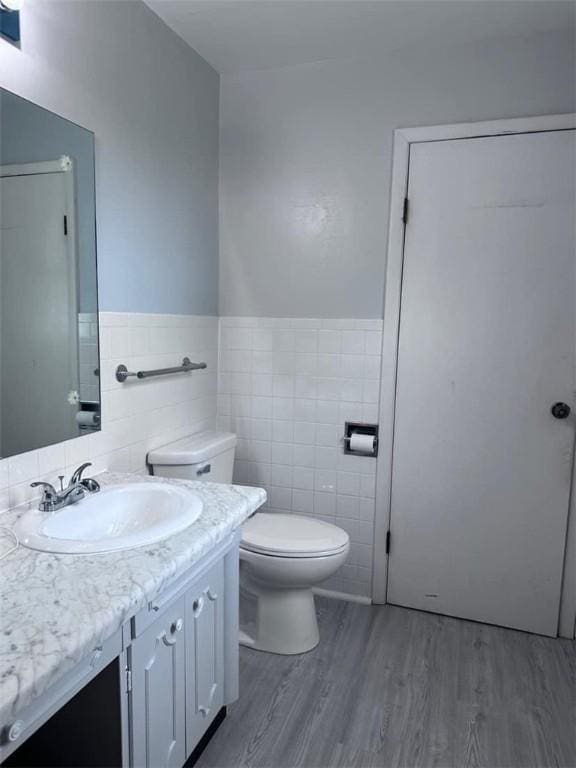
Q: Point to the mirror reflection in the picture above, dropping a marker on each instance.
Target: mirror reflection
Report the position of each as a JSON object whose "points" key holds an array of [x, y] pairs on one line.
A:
{"points": [[49, 362]]}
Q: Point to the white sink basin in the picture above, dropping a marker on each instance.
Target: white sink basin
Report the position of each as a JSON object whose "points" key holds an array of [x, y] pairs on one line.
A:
{"points": [[120, 517]]}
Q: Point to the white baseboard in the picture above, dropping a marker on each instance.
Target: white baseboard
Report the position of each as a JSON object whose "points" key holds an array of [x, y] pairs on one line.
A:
{"points": [[342, 596]]}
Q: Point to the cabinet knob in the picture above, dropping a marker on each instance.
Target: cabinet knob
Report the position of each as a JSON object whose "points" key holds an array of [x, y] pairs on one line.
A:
{"points": [[177, 626], [197, 606], [16, 730], [560, 410]]}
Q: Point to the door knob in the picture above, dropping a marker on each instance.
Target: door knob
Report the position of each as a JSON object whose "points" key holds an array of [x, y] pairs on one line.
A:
{"points": [[560, 410]]}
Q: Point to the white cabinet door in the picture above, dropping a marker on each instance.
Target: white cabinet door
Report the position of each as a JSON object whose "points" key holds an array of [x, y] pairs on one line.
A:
{"points": [[481, 468], [157, 699], [204, 653]]}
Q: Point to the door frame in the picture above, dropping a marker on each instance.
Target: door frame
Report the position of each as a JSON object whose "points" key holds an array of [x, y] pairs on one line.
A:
{"points": [[403, 139], [64, 165]]}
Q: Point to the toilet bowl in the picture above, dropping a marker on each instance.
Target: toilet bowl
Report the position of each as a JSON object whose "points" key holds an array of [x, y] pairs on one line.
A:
{"points": [[282, 557]]}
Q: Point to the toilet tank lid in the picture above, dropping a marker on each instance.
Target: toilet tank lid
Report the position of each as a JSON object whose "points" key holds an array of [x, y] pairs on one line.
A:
{"points": [[193, 449]]}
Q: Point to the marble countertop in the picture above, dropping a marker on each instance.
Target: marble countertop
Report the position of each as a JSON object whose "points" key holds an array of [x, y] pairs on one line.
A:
{"points": [[54, 609]]}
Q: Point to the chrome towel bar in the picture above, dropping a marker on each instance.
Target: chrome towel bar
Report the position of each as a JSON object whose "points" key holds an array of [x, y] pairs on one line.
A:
{"points": [[122, 373]]}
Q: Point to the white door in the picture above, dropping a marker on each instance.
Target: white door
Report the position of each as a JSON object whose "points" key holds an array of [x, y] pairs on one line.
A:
{"points": [[38, 309], [481, 468]]}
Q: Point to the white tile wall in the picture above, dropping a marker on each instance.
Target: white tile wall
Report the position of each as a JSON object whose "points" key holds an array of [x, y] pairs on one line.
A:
{"points": [[286, 387], [136, 416]]}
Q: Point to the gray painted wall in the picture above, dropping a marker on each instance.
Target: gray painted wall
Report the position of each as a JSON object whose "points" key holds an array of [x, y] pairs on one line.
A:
{"points": [[152, 102], [305, 159]]}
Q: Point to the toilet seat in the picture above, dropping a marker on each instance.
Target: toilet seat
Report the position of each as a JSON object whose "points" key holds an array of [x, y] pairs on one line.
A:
{"points": [[292, 536]]}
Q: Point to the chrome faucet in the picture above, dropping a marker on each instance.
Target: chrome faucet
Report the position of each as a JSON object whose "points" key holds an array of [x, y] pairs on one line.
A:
{"points": [[52, 499], [75, 491]]}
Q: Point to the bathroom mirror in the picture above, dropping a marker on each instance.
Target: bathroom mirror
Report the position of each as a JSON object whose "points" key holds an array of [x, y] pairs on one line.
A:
{"points": [[49, 360]]}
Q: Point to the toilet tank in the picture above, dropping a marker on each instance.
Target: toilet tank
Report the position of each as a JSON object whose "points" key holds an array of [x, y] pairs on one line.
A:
{"points": [[206, 456]]}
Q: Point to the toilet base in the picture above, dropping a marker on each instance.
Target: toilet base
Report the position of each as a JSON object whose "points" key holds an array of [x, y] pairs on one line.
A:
{"points": [[286, 621]]}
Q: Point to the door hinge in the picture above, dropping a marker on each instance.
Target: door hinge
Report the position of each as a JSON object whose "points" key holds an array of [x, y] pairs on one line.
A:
{"points": [[128, 680], [405, 211], [65, 225], [388, 542]]}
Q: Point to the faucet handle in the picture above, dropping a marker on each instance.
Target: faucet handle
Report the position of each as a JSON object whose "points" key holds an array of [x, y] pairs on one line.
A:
{"points": [[49, 490], [49, 497], [77, 474], [88, 483]]}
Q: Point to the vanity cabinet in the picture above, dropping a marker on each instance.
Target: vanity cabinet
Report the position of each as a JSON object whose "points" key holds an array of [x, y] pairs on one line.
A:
{"points": [[147, 696]]}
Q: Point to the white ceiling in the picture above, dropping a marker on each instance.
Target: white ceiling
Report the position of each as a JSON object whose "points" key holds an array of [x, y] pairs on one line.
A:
{"points": [[237, 35]]}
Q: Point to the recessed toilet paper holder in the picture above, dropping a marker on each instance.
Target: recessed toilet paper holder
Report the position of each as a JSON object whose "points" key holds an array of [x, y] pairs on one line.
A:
{"points": [[354, 427]]}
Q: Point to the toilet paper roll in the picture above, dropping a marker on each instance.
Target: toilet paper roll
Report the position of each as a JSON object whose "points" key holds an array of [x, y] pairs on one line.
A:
{"points": [[88, 419], [362, 443]]}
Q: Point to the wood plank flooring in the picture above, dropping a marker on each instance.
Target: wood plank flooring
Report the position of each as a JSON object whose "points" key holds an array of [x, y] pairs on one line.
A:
{"points": [[389, 686]]}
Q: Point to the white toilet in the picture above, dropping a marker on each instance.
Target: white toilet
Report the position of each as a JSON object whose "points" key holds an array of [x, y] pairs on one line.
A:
{"points": [[282, 557]]}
